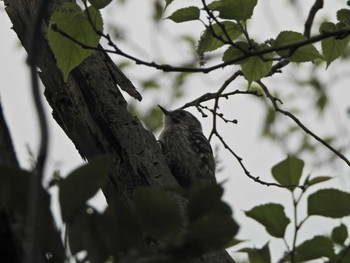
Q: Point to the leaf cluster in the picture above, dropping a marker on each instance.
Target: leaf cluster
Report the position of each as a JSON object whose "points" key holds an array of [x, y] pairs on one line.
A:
{"points": [[153, 227], [330, 203]]}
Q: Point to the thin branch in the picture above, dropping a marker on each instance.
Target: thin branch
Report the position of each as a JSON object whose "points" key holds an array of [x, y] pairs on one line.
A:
{"points": [[257, 178], [310, 19], [168, 68], [299, 123], [35, 183]]}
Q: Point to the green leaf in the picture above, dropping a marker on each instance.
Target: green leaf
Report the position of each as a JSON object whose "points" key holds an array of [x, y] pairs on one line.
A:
{"points": [[343, 15], [318, 180], [272, 217], [258, 255], [255, 68], [157, 211], [82, 184], [233, 53], [203, 199], [340, 234], [214, 37], [167, 3], [317, 247], [120, 221], [301, 54], [211, 232], [289, 171], [329, 203], [85, 233], [185, 14], [71, 20], [332, 48], [98, 4], [234, 9]]}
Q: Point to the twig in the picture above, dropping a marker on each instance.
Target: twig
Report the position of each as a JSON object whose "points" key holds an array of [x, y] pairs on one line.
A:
{"points": [[35, 183], [299, 123], [310, 19], [256, 179], [167, 68]]}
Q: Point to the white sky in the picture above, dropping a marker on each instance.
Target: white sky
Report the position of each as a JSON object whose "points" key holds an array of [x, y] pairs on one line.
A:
{"points": [[259, 155]]}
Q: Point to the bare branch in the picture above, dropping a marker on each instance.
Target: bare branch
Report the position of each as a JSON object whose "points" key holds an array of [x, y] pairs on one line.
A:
{"points": [[168, 68], [299, 123], [310, 19]]}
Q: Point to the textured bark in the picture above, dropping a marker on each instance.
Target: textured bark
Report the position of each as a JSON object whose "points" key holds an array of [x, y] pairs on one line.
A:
{"points": [[93, 113]]}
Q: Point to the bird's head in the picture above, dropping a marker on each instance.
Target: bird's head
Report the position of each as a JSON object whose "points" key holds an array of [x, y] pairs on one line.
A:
{"points": [[180, 117]]}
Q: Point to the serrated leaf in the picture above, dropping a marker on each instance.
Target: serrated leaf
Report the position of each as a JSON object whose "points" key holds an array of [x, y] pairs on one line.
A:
{"points": [[71, 20], [233, 53], [332, 48], [158, 213], [272, 217], [167, 3], [318, 180], [301, 54], [317, 247], [82, 184], [234, 9], [258, 255], [343, 15], [255, 68], [340, 234], [329, 203], [288, 172], [185, 14], [98, 4], [211, 39]]}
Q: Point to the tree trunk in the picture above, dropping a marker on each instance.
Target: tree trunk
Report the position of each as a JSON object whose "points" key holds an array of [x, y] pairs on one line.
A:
{"points": [[93, 113]]}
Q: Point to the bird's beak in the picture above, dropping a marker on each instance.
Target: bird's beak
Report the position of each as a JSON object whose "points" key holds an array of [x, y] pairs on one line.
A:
{"points": [[166, 112]]}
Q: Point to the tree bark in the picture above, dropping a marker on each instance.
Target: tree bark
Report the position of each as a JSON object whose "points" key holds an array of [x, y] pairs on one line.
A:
{"points": [[93, 113]]}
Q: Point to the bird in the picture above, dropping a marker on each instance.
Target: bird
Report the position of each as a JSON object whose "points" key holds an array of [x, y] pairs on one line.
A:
{"points": [[187, 151]]}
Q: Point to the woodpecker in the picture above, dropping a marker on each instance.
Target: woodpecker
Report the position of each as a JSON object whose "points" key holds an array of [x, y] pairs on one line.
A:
{"points": [[187, 151]]}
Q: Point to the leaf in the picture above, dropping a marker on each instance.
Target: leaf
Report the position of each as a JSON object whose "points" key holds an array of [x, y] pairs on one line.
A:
{"points": [[258, 255], [272, 217], [71, 20], [82, 184], [340, 234], [233, 53], [301, 54], [120, 221], [255, 68], [234, 9], [211, 38], [318, 180], [288, 172], [203, 199], [211, 232], [158, 213], [332, 48], [329, 203], [98, 4], [343, 15], [317, 247], [86, 233], [167, 3], [185, 14], [14, 198]]}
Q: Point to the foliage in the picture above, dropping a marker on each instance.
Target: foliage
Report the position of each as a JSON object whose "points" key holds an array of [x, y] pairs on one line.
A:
{"points": [[123, 232]]}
